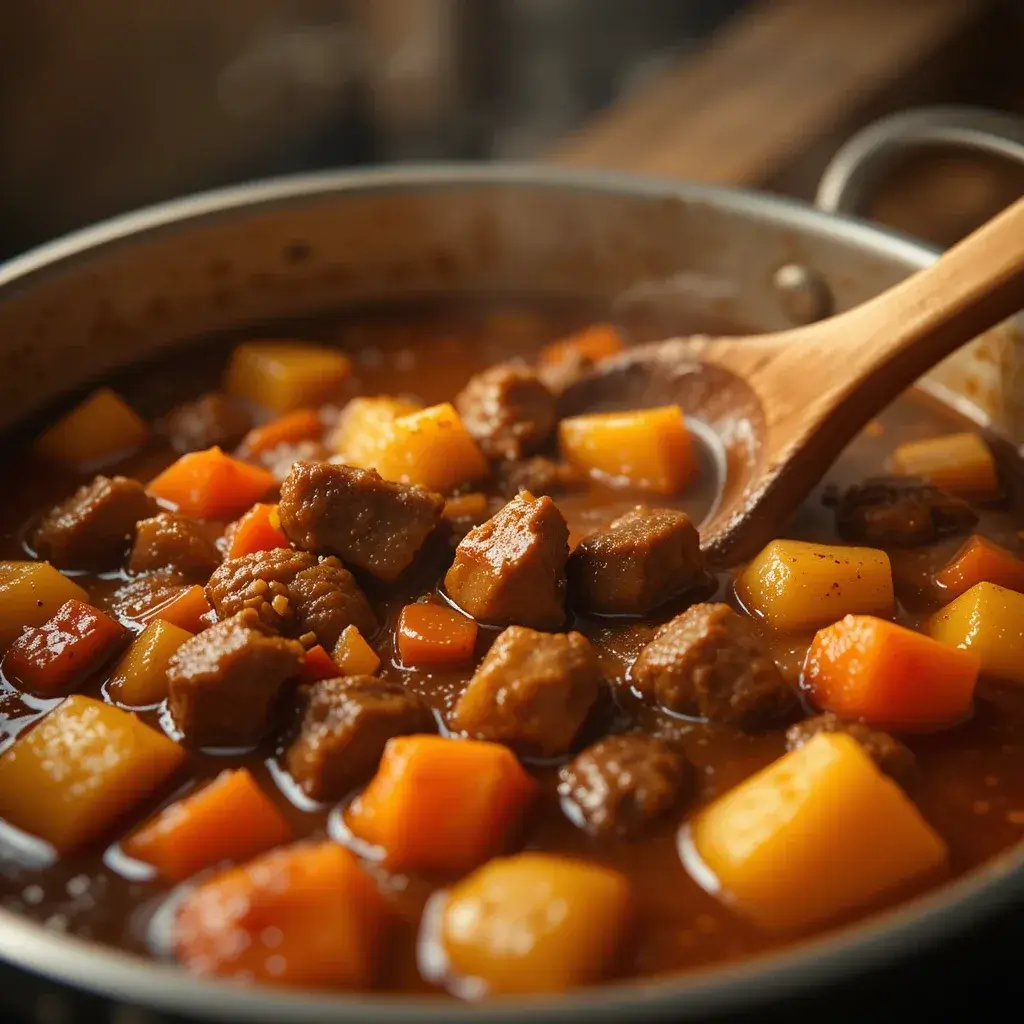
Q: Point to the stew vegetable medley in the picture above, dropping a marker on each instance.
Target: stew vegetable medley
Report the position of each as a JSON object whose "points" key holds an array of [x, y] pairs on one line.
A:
{"points": [[358, 662]]}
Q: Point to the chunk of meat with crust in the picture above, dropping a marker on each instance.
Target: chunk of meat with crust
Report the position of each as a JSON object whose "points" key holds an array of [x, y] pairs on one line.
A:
{"points": [[708, 661], [366, 521], [292, 592], [344, 729], [213, 419], [508, 410], [511, 569], [539, 475], [223, 683], [636, 563], [892, 757], [94, 527], [173, 541], [531, 692], [899, 511], [621, 785]]}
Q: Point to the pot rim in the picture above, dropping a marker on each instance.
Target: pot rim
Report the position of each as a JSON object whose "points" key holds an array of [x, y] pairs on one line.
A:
{"points": [[799, 969]]}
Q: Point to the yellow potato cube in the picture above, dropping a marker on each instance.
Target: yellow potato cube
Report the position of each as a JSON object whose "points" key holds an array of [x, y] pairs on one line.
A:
{"points": [[818, 832], [98, 430], [649, 449], [140, 678], [988, 621], [362, 427], [795, 585], [353, 655], [86, 764], [958, 463], [30, 594], [500, 927], [285, 375]]}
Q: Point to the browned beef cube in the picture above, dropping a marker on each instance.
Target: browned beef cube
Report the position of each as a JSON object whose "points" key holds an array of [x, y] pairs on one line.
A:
{"points": [[891, 756], [622, 784], [93, 528], [532, 691], [213, 419], [636, 563], [511, 569], [345, 727], [508, 410], [708, 661], [173, 541], [223, 683], [539, 475], [352, 513], [293, 593], [896, 511]]}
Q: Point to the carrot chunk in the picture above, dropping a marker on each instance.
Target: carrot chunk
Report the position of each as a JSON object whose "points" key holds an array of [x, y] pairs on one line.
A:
{"points": [[432, 635], [596, 342], [187, 610], [285, 375], [140, 678], [353, 655], [958, 463], [318, 664], [440, 804], [50, 659], [980, 561], [292, 427], [211, 485], [100, 430], [229, 819], [305, 915], [258, 530], [887, 675]]}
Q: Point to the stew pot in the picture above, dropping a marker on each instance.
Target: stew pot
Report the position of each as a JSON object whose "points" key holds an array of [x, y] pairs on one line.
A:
{"points": [[121, 291]]}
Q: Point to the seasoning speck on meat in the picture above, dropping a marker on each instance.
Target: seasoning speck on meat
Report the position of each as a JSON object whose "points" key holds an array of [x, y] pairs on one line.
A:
{"points": [[173, 541]]}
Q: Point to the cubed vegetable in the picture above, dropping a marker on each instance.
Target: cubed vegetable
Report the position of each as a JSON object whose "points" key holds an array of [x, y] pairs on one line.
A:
{"points": [[886, 675], [794, 585], [980, 561], [596, 342], [258, 530], [231, 819], [139, 679], [305, 915], [292, 427], [988, 622], [433, 635], [498, 926], [212, 485], [363, 423], [85, 765], [440, 804], [958, 463], [816, 833], [31, 593], [472, 507], [649, 449], [284, 375], [318, 664], [187, 609], [100, 430], [50, 659], [353, 655]]}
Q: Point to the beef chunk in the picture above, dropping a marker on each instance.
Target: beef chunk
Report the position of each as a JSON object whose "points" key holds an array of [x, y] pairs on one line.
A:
{"points": [[532, 691], [637, 563], [292, 592], [708, 661], [173, 541], [211, 420], [891, 756], [539, 475], [508, 410], [621, 784], [344, 729], [511, 569], [93, 528], [899, 511], [223, 683], [352, 513]]}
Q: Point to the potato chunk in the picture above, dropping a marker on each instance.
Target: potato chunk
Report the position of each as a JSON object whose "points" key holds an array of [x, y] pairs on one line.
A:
{"points": [[30, 594], [353, 655], [139, 679], [86, 764], [818, 832], [958, 463], [363, 423], [99, 430], [285, 375], [534, 923], [794, 585], [988, 621]]}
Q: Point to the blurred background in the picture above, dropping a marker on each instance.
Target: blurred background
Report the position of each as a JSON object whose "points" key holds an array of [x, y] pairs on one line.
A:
{"points": [[106, 105]]}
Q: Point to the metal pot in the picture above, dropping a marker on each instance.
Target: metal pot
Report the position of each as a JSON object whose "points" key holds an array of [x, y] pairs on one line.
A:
{"points": [[121, 291]]}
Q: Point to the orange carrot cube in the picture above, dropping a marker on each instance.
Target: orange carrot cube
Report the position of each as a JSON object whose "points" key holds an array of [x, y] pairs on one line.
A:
{"points": [[187, 609], [318, 664], [258, 530], [980, 560], [596, 342], [212, 485], [433, 635], [292, 427], [353, 655]]}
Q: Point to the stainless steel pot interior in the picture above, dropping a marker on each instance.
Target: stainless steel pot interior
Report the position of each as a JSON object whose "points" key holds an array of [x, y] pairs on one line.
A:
{"points": [[123, 290]]}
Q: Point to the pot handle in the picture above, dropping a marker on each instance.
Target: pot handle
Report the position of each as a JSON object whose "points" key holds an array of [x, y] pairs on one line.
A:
{"points": [[862, 162]]}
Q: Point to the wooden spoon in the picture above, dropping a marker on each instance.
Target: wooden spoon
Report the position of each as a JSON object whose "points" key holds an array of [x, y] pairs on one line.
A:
{"points": [[781, 406]]}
